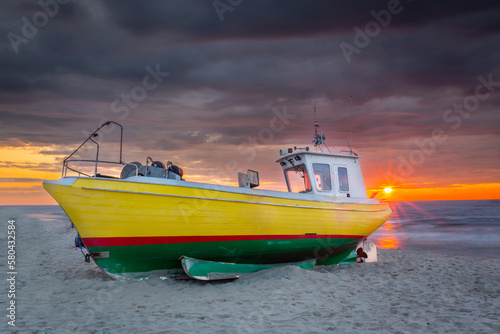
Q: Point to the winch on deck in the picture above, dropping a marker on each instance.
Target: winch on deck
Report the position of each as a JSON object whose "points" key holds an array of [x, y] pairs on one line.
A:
{"points": [[156, 169]]}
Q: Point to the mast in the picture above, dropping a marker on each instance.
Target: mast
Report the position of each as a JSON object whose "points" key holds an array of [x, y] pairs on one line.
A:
{"points": [[351, 127], [319, 139]]}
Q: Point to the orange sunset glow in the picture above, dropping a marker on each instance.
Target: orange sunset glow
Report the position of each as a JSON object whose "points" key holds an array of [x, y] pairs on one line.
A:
{"points": [[23, 170]]}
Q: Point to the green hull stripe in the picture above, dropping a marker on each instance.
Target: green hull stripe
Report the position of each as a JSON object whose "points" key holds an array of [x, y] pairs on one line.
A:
{"points": [[144, 258]]}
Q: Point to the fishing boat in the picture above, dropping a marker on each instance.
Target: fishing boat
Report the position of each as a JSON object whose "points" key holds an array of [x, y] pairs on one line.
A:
{"points": [[150, 219]]}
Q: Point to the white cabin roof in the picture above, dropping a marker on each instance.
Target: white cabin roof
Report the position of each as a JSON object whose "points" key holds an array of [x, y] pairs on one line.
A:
{"points": [[331, 155]]}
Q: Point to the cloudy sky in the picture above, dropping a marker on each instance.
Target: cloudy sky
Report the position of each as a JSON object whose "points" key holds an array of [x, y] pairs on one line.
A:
{"points": [[220, 86]]}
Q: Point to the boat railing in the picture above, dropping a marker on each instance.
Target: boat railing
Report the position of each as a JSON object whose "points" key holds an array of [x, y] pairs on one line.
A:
{"points": [[66, 166], [95, 161]]}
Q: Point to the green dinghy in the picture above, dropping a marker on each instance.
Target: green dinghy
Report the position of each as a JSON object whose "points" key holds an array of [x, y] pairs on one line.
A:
{"points": [[211, 270]]}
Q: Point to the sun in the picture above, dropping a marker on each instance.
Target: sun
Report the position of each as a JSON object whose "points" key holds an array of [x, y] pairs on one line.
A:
{"points": [[388, 190]]}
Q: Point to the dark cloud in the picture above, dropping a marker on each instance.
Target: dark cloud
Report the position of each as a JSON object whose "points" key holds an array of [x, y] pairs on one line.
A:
{"points": [[19, 179], [40, 128], [198, 20], [34, 166], [226, 77]]}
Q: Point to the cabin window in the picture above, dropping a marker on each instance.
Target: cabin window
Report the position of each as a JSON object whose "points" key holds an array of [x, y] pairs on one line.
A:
{"points": [[322, 177], [297, 179], [343, 179]]}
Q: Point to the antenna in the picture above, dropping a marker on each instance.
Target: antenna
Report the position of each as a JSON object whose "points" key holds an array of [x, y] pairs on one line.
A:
{"points": [[351, 127], [315, 121], [348, 144], [319, 139]]}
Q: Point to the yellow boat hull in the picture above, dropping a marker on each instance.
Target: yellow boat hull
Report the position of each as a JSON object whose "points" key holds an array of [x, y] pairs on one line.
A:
{"points": [[140, 226]]}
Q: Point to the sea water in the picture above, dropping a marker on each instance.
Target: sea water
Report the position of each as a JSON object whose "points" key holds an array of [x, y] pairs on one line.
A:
{"points": [[466, 228]]}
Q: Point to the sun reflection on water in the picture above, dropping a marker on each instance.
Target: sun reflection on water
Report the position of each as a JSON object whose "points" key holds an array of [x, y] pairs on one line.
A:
{"points": [[388, 239], [389, 235]]}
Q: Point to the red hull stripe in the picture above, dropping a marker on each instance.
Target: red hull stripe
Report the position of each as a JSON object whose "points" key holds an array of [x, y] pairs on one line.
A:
{"points": [[137, 241]]}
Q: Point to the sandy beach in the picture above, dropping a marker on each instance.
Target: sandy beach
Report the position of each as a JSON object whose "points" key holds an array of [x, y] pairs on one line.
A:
{"points": [[404, 292]]}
